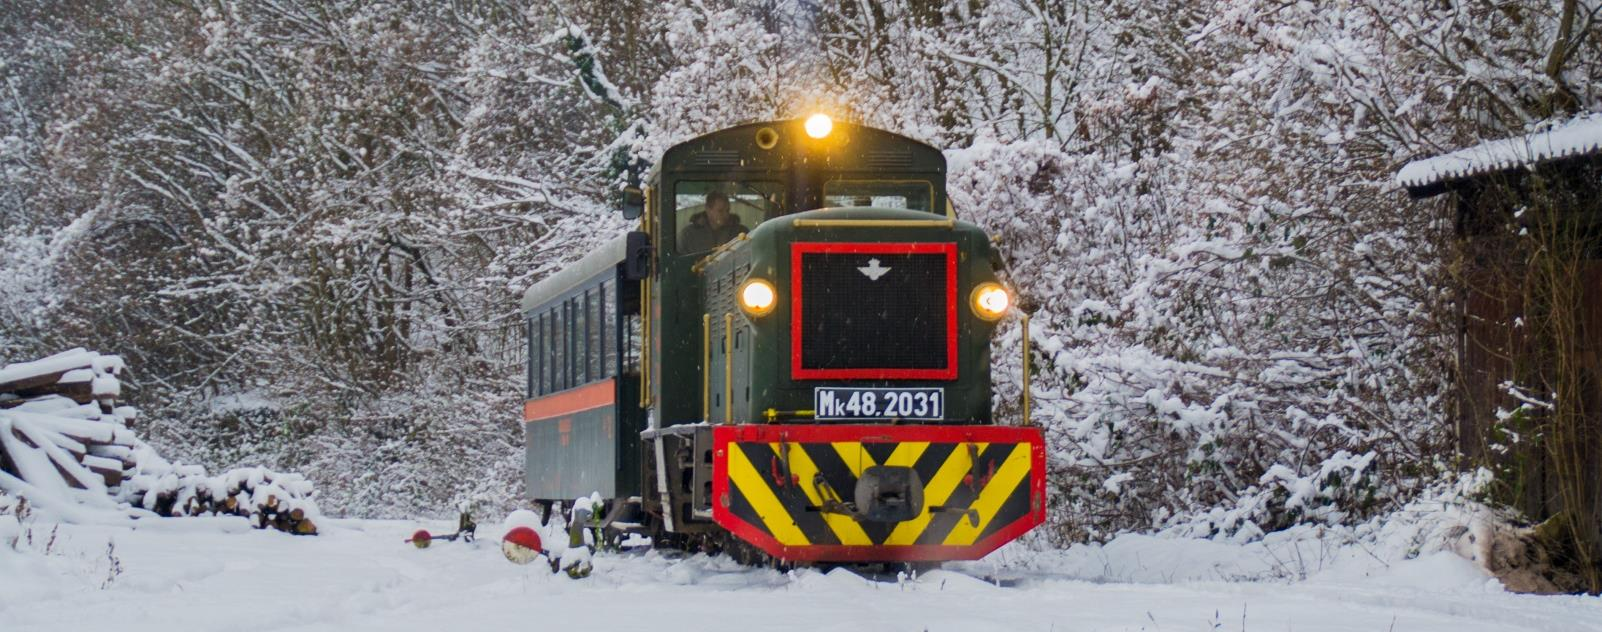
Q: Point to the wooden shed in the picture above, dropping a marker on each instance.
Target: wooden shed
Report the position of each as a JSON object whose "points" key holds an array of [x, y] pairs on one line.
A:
{"points": [[1528, 271]]}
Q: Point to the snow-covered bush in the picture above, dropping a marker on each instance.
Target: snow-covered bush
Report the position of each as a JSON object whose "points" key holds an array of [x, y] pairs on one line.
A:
{"points": [[1191, 368]]}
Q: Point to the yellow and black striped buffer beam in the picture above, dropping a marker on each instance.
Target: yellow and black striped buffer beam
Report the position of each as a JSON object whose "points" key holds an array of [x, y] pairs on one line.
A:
{"points": [[878, 493]]}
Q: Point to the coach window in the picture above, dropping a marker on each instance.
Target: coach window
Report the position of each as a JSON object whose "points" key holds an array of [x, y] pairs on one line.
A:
{"points": [[592, 313], [575, 361], [553, 345], [559, 327], [588, 307], [575, 342], [528, 357], [575, 306], [609, 331], [534, 355], [581, 341], [542, 331], [750, 203], [595, 359], [559, 346]]}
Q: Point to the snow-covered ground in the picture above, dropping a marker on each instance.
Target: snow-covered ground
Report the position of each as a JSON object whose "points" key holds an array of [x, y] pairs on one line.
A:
{"points": [[218, 574]]}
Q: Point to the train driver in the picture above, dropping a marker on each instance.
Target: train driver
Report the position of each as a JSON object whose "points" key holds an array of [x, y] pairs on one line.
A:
{"points": [[711, 227]]}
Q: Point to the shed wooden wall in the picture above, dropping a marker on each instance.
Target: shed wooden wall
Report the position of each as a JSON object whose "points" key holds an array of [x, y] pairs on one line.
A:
{"points": [[1495, 348]]}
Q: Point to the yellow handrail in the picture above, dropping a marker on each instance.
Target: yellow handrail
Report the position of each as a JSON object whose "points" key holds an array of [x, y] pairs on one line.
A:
{"points": [[706, 368], [645, 308], [773, 414], [1026, 356], [728, 368], [703, 262]]}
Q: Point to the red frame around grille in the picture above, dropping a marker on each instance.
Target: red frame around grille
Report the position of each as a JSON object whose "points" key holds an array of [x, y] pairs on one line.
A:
{"points": [[949, 249]]}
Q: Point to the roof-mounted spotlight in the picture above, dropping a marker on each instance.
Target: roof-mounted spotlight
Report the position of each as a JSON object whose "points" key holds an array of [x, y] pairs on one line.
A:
{"points": [[819, 125]]}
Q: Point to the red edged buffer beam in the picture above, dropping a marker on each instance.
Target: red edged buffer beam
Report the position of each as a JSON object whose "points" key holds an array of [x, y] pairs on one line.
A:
{"points": [[854, 492]]}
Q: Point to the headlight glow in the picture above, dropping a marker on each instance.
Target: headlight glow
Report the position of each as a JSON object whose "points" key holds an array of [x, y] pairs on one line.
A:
{"points": [[990, 301], [757, 297], [819, 125]]}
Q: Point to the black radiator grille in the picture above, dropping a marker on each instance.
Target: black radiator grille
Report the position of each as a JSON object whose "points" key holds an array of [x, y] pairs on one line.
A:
{"points": [[874, 311]]}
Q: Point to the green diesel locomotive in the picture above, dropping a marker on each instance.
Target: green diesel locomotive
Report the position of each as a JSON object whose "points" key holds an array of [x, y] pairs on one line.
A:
{"points": [[790, 357]]}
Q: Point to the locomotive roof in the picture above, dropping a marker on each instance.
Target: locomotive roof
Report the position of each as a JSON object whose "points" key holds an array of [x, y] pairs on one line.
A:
{"points": [[734, 147], [576, 274]]}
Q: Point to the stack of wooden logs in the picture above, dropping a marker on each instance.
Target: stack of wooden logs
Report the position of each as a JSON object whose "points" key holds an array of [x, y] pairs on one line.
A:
{"points": [[64, 439], [81, 376], [267, 498]]}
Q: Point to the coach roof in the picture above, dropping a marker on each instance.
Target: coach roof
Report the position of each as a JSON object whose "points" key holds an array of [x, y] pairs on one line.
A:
{"points": [[574, 275]]}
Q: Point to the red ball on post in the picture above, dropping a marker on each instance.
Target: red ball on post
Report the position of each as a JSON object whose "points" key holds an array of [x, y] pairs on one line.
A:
{"points": [[521, 545]]}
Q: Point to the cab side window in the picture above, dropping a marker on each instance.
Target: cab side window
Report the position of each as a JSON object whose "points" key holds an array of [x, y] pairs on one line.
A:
{"points": [[709, 213]]}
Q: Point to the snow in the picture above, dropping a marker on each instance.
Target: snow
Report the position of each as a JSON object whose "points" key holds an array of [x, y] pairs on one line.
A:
{"points": [[106, 386], [76, 376], [1579, 136], [217, 574]]}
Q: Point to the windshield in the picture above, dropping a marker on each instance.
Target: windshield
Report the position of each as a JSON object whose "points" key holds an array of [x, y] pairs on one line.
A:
{"points": [[916, 195], [711, 212]]}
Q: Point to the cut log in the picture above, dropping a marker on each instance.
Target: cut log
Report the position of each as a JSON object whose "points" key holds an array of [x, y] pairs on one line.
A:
{"points": [[22, 385], [109, 469], [80, 392], [69, 476], [121, 453]]}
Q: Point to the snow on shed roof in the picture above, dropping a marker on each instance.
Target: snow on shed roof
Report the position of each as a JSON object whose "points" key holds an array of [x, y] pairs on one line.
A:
{"points": [[1580, 136]]}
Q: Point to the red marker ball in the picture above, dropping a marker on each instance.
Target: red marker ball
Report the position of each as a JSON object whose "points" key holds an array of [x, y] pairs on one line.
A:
{"points": [[521, 545], [420, 539]]}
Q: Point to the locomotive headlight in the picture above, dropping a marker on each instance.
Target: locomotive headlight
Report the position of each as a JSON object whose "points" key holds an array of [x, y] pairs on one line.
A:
{"points": [[990, 300], [757, 297], [819, 125]]}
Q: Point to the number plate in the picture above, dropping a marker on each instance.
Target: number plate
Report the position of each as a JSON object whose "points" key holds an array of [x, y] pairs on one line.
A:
{"points": [[879, 403]]}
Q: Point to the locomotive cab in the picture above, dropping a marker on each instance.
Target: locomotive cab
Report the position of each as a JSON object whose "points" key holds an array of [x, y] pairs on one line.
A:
{"points": [[838, 261]]}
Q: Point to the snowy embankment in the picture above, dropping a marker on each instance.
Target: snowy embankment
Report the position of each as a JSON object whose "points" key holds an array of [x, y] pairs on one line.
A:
{"points": [[217, 574]]}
